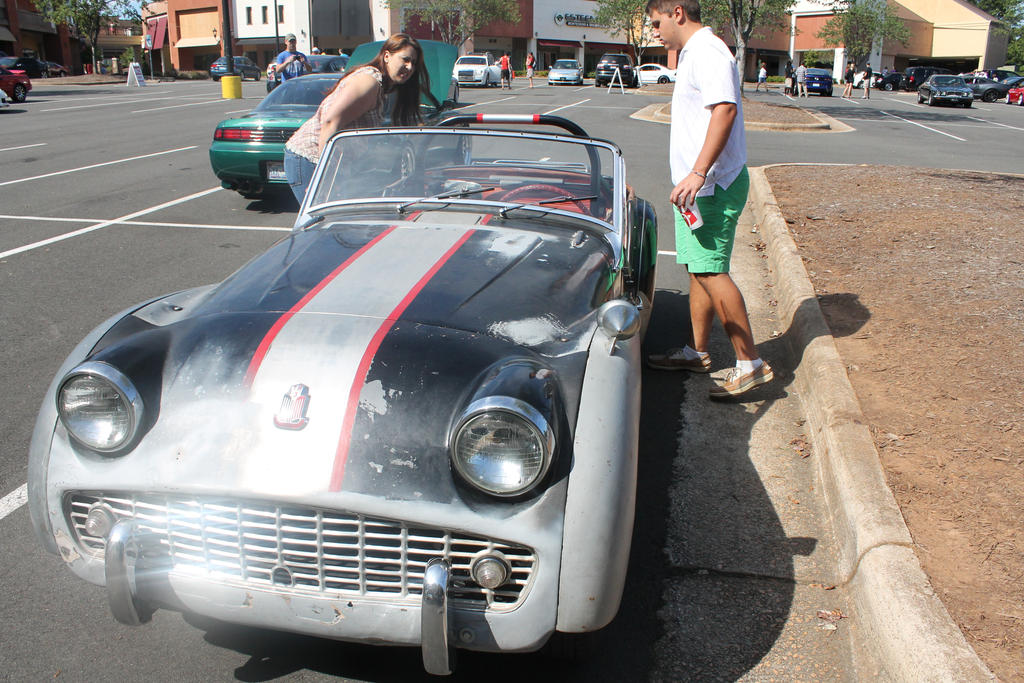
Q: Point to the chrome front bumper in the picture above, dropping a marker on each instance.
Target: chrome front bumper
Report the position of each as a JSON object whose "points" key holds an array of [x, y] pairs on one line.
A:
{"points": [[128, 577]]}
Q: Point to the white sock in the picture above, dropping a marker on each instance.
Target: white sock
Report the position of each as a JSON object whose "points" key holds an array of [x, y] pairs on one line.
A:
{"points": [[693, 354], [747, 366]]}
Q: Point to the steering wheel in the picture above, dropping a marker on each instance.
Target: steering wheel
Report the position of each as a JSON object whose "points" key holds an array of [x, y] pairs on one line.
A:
{"points": [[532, 190]]}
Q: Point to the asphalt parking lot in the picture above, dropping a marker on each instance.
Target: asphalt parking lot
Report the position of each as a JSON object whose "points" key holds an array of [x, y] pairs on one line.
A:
{"points": [[107, 199]]}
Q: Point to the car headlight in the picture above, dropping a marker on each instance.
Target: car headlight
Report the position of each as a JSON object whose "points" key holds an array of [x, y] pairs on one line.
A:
{"points": [[99, 406], [502, 446]]}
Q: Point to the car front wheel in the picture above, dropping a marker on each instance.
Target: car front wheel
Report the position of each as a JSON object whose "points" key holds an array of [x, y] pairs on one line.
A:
{"points": [[990, 96], [889, 87], [663, 80], [920, 98], [931, 100], [19, 93], [967, 105]]}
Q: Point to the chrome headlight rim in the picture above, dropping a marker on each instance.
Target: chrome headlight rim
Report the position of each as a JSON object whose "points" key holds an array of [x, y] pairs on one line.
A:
{"points": [[520, 409], [120, 382]]}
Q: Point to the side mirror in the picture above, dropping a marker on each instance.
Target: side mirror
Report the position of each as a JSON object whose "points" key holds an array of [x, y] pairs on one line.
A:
{"points": [[619, 319]]}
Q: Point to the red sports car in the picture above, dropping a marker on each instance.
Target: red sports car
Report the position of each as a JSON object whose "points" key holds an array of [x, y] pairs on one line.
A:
{"points": [[15, 83], [1016, 95]]}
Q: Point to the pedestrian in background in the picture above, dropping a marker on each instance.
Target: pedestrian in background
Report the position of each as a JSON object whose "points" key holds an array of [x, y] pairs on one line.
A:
{"points": [[790, 73], [762, 78], [530, 63], [848, 77], [707, 157], [357, 101], [506, 72], [866, 83], [801, 80], [290, 62]]}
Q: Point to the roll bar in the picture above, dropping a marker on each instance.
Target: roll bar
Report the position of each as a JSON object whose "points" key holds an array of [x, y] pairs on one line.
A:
{"points": [[539, 119]]}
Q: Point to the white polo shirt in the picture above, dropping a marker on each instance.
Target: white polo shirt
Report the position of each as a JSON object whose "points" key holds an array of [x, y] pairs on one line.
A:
{"points": [[706, 76]]}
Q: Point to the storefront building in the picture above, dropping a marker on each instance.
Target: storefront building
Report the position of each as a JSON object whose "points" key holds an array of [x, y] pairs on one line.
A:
{"points": [[567, 29], [24, 32]]}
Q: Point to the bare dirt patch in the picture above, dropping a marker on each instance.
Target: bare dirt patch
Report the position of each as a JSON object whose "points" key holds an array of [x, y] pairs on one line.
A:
{"points": [[920, 274]]}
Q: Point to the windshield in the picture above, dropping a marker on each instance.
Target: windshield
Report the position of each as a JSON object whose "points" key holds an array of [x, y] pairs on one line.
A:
{"points": [[7, 61], [511, 168], [472, 60], [306, 91], [947, 80], [565, 64]]}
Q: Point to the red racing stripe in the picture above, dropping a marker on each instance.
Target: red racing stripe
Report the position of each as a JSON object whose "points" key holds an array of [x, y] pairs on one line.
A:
{"points": [[268, 339], [344, 441]]}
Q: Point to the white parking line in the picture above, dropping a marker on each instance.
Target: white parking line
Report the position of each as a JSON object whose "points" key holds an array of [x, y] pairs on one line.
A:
{"points": [[567, 106], [111, 104], [934, 130], [86, 168], [175, 106], [994, 123], [104, 224], [13, 500], [11, 149], [480, 104], [145, 224]]}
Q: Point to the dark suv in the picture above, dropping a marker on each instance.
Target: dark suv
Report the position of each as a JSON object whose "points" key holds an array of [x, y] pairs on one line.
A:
{"points": [[606, 70], [914, 76]]}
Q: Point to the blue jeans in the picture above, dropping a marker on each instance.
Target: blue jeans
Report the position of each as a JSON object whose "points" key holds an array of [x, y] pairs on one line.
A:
{"points": [[299, 171]]}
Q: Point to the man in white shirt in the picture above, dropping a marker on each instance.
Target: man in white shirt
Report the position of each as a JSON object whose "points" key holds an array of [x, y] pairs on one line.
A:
{"points": [[801, 80], [707, 157]]}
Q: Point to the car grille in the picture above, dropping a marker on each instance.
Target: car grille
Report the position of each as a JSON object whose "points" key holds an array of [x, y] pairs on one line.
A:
{"points": [[466, 76], [305, 550], [271, 134]]}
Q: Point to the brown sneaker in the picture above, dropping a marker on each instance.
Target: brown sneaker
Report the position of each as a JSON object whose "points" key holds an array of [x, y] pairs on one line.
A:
{"points": [[734, 384], [675, 359]]}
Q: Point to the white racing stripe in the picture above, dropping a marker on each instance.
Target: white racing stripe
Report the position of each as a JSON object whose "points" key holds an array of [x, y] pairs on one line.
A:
{"points": [[92, 166], [104, 224], [13, 500], [313, 349]]}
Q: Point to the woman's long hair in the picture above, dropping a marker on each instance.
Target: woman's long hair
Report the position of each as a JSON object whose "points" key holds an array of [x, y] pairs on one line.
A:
{"points": [[406, 111]]}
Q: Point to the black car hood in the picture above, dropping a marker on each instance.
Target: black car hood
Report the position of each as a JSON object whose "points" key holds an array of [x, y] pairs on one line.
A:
{"points": [[379, 388]]}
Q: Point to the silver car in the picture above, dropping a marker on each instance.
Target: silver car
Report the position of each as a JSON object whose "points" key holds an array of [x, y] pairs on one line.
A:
{"points": [[412, 421], [566, 71]]}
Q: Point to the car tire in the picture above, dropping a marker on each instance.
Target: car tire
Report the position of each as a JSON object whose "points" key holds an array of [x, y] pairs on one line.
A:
{"points": [[931, 100], [19, 93], [920, 98], [990, 96], [888, 87], [570, 647], [215, 78], [827, 93], [662, 80], [967, 105]]}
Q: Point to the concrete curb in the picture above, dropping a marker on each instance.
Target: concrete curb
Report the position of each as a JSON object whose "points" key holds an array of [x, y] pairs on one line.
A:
{"points": [[900, 624], [661, 112]]}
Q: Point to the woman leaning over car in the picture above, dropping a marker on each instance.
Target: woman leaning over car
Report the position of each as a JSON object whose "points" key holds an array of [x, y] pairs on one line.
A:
{"points": [[357, 101]]}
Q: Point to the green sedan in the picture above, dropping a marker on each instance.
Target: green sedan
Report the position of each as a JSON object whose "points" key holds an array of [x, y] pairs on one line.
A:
{"points": [[247, 153]]}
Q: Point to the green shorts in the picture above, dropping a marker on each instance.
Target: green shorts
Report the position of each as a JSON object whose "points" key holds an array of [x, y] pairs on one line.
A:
{"points": [[709, 248]]}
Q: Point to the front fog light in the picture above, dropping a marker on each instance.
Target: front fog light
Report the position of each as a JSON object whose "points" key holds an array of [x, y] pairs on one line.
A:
{"points": [[490, 571], [99, 406], [99, 522]]}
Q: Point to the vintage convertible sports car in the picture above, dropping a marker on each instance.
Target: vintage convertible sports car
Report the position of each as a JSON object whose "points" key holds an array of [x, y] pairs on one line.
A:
{"points": [[412, 421]]}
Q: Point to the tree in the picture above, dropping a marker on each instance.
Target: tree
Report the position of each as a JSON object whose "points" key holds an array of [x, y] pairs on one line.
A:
{"points": [[857, 24], [745, 19], [1011, 14], [457, 20], [87, 17], [626, 18]]}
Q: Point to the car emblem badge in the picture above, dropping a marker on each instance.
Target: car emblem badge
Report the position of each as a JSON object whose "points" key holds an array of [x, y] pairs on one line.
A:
{"points": [[292, 413]]}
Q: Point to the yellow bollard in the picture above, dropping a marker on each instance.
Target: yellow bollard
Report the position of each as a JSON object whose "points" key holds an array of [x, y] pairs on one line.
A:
{"points": [[231, 87]]}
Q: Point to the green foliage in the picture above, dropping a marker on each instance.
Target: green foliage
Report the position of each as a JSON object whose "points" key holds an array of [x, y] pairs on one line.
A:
{"points": [[87, 16], [127, 57], [813, 58], [857, 24], [745, 19], [1011, 14], [626, 18], [457, 20]]}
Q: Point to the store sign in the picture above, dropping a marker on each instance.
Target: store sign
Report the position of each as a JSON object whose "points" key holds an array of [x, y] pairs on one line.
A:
{"points": [[582, 20]]}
